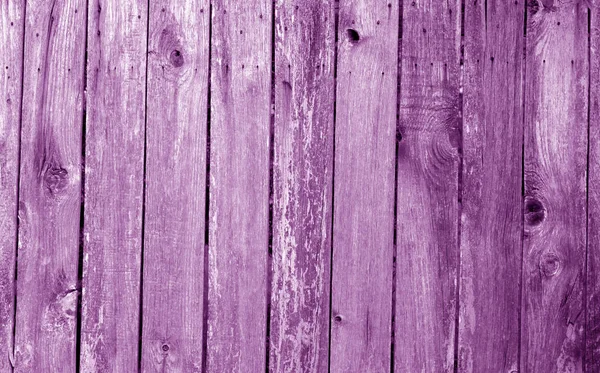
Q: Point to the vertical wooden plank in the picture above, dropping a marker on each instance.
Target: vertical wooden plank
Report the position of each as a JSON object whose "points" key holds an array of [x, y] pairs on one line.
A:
{"points": [[239, 185], [592, 325], [175, 186], [50, 186], [490, 264], [428, 175], [114, 171], [556, 97], [363, 227], [11, 51], [303, 162], [592, 322]]}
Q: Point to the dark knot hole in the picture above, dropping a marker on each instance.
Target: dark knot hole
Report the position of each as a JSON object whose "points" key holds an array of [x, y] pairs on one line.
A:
{"points": [[534, 206], [176, 58], [534, 212], [353, 36]]}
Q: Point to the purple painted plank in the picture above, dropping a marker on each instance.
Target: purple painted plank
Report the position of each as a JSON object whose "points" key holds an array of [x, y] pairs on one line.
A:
{"points": [[592, 325], [11, 52], [175, 186], [556, 96], [239, 185], [363, 228], [114, 171], [491, 229], [50, 186], [428, 173], [303, 162]]}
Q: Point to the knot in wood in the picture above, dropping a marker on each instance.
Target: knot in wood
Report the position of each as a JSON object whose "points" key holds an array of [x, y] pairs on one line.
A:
{"points": [[353, 36], [533, 6], [176, 58], [170, 46], [549, 5], [55, 179], [165, 347], [535, 212], [455, 131], [550, 264]]}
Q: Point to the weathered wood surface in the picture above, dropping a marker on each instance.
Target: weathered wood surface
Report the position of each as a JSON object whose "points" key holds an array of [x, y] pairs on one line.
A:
{"points": [[11, 49], [363, 222], [555, 134], [235, 188], [428, 176], [50, 186], [302, 186], [239, 185], [114, 183], [173, 279], [491, 230], [592, 322]]}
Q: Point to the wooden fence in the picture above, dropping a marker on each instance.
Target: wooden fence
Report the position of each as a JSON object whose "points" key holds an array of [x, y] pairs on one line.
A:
{"points": [[300, 186]]}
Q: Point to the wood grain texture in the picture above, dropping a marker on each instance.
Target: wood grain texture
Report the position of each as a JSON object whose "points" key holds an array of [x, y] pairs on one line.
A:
{"points": [[363, 225], [175, 186], [491, 229], [114, 172], [11, 51], [303, 162], [556, 97], [428, 174], [592, 325], [239, 185], [50, 186]]}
